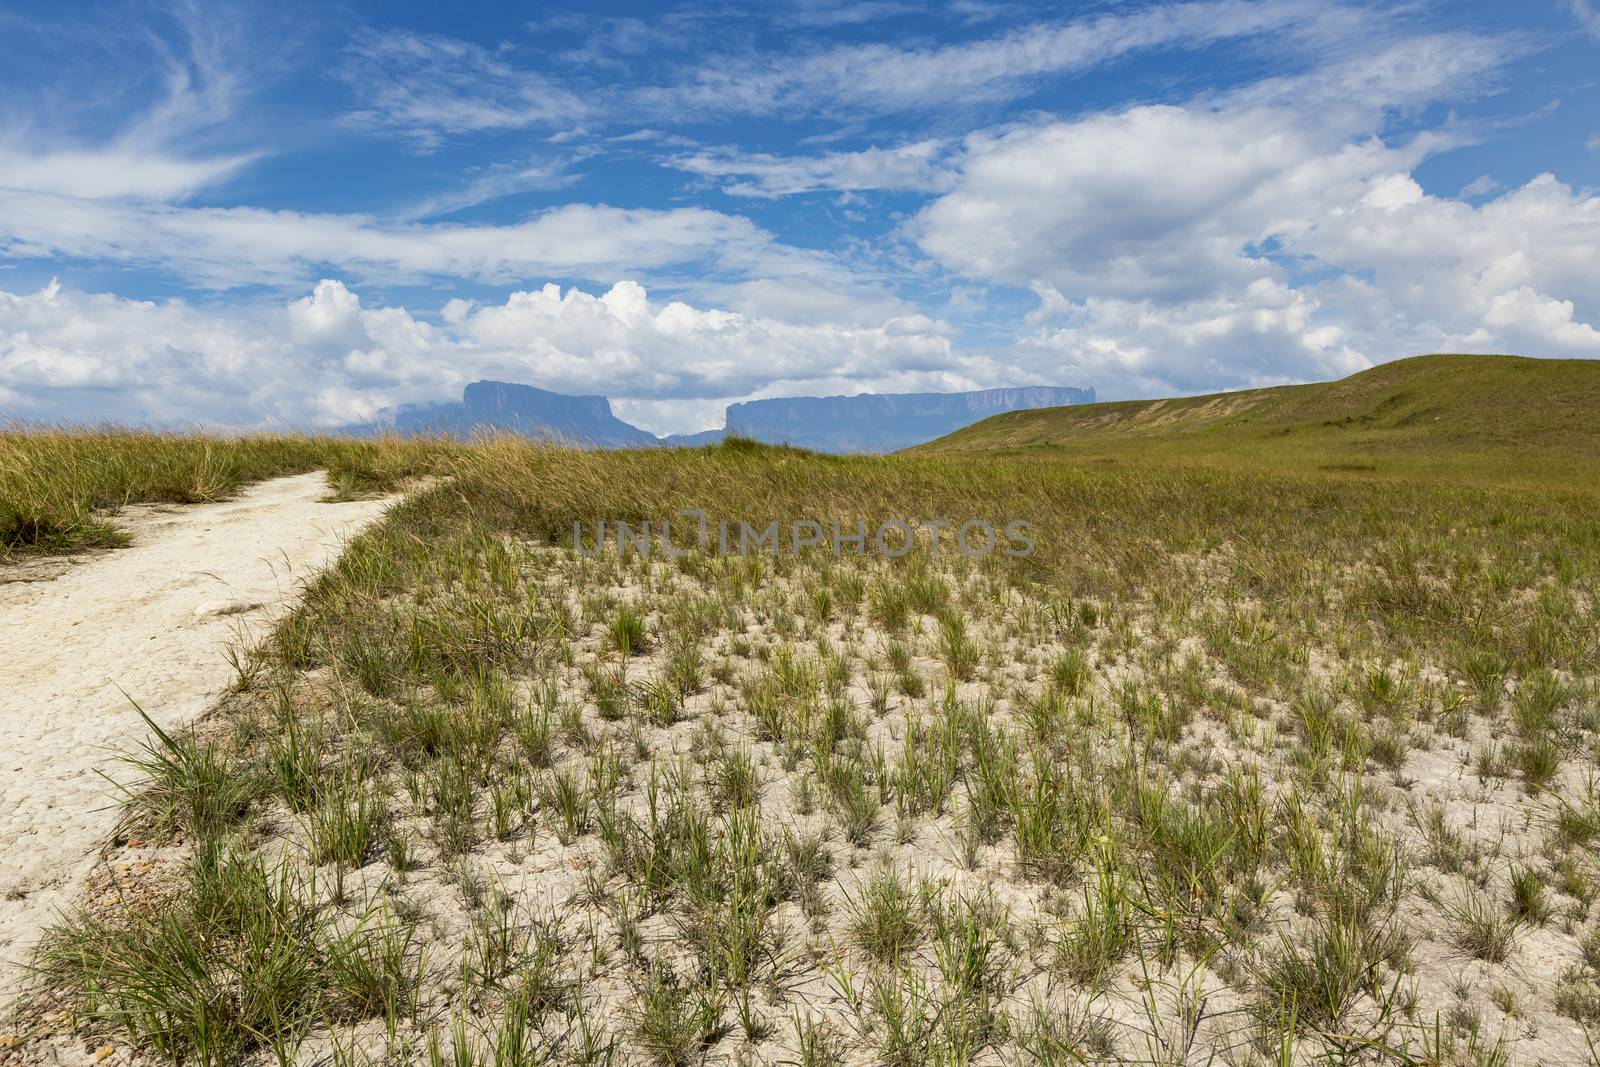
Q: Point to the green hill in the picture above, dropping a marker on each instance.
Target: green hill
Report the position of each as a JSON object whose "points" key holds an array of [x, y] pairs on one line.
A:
{"points": [[1498, 417]]}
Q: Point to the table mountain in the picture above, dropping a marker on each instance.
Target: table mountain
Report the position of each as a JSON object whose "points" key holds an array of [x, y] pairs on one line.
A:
{"points": [[868, 422], [876, 422], [523, 409]]}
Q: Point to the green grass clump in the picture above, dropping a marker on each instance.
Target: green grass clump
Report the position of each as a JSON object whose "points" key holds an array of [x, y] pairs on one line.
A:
{"points": [[243, 957], [60, 487]]}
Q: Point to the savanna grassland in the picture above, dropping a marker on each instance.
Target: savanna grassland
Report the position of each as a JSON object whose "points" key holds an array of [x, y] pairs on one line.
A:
{"points": [[1259, 758]]}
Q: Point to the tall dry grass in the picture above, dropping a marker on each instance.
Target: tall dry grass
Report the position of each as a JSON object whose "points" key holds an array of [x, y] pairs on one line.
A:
{"points": [[58, 484]]}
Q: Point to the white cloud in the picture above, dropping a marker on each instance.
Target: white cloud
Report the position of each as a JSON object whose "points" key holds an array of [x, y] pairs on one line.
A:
{"points": [[1509, 274], [1482, 185], [844, 12], [228, 247], [1155, 201], [918, 167], [806, 301], [329, 318], [75, 356], [495, 181], [1269, 236], [1373, 76], [326, 359], [113, 172], [166, 144], [1529, 312], [880, 78], [428, 87], [1161, 200], [1265, 334], [618, 344], [1589, 18]]}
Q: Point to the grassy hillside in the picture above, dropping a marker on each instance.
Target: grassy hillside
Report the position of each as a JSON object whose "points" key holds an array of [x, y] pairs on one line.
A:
{"points": [[1498, 417]]}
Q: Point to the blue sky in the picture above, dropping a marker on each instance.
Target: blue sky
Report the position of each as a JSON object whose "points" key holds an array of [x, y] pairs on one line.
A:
{"points": [[296, 214]]}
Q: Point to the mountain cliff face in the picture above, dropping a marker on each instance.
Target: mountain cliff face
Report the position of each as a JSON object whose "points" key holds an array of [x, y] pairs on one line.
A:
{"points": [[870, 422], [523, 409], [883, 422]]}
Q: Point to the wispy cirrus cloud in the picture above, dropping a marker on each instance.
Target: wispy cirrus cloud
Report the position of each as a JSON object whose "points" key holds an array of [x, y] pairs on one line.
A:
{"points": [[882, 79], [427, 88], [923, 167], [845, 12], [1587, 15], [224, 248], [495, 181], [176, 130], [118, 170]]}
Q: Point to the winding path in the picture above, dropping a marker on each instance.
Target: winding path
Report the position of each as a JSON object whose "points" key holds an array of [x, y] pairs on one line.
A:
{"points": [[152, 620]]}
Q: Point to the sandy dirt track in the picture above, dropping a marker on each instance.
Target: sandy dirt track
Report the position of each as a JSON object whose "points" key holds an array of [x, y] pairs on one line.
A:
{"points": [[154, 620]]}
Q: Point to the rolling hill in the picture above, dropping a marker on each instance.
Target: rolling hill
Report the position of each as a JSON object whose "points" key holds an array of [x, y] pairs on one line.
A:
{"points": [[1502, 416]]}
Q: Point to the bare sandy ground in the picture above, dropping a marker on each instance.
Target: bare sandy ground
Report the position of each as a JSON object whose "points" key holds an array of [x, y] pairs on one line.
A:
{"points": [[152, 622]]}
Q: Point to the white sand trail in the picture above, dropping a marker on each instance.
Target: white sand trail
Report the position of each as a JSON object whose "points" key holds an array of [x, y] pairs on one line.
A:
{"points": [[154, 620]]}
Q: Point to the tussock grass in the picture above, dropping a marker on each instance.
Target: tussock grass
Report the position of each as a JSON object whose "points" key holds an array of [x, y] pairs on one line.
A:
{"points": [[241, 957], [60, 486], [1181, 786]]}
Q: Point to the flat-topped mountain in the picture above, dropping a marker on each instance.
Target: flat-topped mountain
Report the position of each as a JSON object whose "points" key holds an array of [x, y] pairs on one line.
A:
{"points": [[882, 422], [522, 409], [868, 422]]}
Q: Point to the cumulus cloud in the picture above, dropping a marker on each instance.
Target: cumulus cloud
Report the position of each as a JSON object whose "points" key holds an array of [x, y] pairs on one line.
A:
{"points": [[71, 355], [1273, 235], [1265, 334], [326, 359], [1155, 201], [1164, 200], [1509, 274]]}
